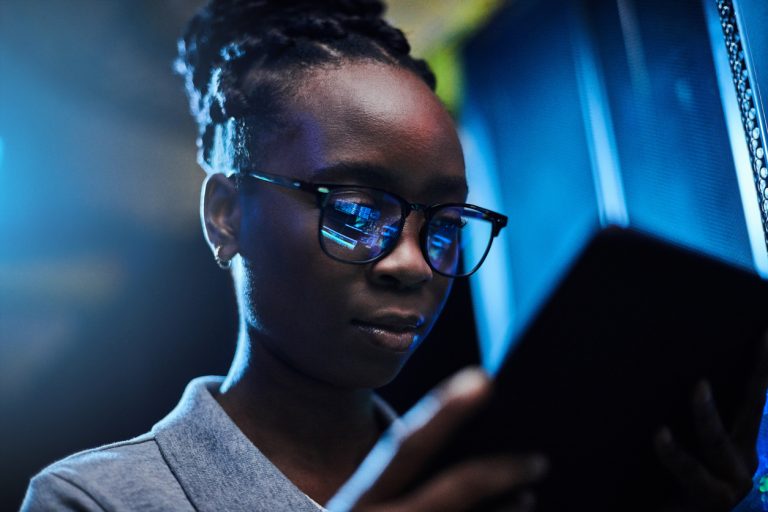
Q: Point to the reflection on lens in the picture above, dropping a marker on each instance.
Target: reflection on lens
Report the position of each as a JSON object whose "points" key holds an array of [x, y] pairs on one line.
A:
{"points": [[443, 240], [338, 238], [359, 224], [447, 236]]}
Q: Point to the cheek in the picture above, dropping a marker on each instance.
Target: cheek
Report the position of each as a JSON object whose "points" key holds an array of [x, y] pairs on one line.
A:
{"points": [[273, 244], [289, 283], [277, 231], [441, 288]]}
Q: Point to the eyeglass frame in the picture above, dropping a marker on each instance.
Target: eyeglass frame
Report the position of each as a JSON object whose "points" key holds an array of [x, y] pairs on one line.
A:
{"points": [[322, 192]]}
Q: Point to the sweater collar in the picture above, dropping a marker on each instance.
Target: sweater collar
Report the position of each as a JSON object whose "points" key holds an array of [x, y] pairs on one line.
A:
{"points": [[216, 464]]}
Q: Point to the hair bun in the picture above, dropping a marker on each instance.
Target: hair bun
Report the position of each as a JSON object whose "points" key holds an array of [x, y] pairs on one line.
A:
{"points": [[240, 58]]}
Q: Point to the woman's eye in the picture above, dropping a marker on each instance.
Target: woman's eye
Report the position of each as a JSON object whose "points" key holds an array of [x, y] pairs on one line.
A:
{"points": [[450, 223]]}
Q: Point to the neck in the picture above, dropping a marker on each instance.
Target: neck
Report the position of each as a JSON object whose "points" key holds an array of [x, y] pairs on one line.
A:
{"points": [[314, 432]]}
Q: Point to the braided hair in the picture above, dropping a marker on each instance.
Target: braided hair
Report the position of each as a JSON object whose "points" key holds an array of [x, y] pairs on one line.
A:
{"points": [[241, 59]]}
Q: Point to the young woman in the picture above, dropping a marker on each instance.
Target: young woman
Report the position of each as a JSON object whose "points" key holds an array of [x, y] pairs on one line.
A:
{"points": [[335, 193]]}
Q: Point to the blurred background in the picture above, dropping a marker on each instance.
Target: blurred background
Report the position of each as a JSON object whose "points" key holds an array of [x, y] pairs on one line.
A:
{"points": [[110, 301], [575, 115]]}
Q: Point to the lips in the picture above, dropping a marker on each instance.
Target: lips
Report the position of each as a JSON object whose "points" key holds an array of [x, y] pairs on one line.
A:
{"points": [[393, 331]]}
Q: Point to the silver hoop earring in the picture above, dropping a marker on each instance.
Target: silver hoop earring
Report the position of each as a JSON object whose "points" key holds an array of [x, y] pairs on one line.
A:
{"points": [[221, 262]]}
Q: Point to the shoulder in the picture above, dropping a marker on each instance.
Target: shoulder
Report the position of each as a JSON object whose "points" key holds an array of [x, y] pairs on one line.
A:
{"points": [[127, 474]]}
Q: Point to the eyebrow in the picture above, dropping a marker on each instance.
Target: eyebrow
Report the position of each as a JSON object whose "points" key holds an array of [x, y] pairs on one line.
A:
{"points": [[379, 176]]}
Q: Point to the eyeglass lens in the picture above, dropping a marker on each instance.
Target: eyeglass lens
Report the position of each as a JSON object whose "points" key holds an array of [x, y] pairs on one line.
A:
{"points": [[359, 225]]}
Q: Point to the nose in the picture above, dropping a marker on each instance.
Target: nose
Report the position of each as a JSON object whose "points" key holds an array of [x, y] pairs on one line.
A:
{"points": [[404, 267]]}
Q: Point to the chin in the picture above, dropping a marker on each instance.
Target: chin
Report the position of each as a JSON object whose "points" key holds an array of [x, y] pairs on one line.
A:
{"points": [[364, 374]]}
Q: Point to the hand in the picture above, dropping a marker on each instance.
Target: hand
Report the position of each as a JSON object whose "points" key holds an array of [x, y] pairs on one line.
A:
{"points": [[722, 476], [384, 479]]}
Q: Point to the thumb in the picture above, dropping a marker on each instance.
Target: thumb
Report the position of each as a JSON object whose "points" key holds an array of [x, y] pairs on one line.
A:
{"points": [[406, 447]]}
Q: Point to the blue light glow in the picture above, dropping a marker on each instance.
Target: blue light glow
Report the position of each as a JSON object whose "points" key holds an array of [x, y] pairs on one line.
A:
{"points": [[439, 241], [491, 290], [3, 183], [353, 208], [744, 174], [352, 226], [348, 207], [388, 231], [599, 130], [337, 237]]}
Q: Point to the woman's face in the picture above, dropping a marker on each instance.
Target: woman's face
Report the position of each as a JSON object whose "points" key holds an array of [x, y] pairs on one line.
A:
{"points": [[349, 325]]}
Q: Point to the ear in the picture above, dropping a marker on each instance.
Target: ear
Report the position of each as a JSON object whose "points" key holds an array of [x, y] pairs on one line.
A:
{"points": [[220, 215]]}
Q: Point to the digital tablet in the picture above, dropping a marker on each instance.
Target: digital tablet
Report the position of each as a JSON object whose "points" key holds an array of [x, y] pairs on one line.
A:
{"points": [[613, 355]]}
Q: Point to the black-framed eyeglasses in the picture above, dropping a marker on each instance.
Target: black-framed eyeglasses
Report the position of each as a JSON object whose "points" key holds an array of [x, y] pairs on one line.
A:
{"points": [[360, 225]]}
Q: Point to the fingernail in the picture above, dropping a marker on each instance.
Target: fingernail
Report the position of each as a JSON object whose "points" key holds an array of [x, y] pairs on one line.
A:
{"points": [[468, 381]]}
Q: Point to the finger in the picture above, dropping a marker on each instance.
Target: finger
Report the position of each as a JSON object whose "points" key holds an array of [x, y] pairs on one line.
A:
{"points": [[725, 460], [469, 484], [747, 425], [429, 425], [703, 488], [404, 450]]}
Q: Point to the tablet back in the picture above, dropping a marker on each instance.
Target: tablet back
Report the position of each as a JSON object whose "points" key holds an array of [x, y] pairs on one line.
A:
{"points": [[612, 356]]}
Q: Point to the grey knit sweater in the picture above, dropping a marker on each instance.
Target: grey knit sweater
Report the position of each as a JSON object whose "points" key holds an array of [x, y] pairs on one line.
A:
{"points": [[194, 459]]}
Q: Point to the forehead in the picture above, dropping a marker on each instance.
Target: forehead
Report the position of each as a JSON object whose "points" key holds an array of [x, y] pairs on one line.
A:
{"points": [[370, 115]]}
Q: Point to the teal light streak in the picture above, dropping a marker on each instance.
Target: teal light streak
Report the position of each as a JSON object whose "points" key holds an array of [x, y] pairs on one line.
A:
{"points": [[601, 140], [337, 237]]}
